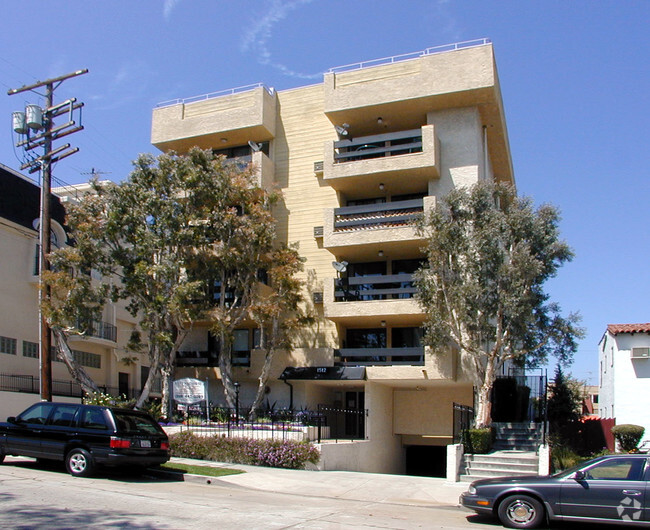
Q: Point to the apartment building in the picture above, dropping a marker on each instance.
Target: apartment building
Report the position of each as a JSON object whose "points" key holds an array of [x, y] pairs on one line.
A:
{"points": [[100, 351], [624, 374], [357, 158]]}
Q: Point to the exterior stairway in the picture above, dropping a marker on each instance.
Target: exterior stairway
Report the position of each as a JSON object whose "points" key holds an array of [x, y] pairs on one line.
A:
{"points": [[515, 453]]}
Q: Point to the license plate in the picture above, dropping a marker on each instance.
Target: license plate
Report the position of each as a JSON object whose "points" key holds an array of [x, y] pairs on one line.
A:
{"points": [[145, 443]]}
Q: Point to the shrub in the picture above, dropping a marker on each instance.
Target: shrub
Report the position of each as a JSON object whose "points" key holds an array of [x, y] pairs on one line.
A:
{"points": [[628, 436], [270, 453], [563, 457], [478, 441]]}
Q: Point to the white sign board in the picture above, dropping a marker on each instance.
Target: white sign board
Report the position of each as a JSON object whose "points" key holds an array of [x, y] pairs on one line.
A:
{"points": [[189, 390]]}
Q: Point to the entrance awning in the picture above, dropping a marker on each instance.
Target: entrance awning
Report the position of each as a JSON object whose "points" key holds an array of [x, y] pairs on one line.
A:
{"points": [[324, 373]]}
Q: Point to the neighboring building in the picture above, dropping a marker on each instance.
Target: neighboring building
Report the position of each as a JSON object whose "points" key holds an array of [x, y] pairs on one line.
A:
{"points": [[590, 400], [99, 352], [357, 158], [624, 357]]}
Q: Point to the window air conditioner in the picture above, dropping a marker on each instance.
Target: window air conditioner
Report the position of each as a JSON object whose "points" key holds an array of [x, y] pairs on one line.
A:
{"points": [[640, 353]]}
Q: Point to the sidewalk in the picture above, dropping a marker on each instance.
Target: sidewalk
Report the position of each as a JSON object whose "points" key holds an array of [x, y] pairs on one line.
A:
{"points": [[374, 487]]}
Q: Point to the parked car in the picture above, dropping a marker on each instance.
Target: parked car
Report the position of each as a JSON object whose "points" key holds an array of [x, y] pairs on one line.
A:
{"points": [[84, 436], [608, 489]]}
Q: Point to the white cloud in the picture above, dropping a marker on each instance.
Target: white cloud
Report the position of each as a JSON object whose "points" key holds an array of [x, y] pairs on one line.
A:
{"points": [[169, 7], [256, 40]]}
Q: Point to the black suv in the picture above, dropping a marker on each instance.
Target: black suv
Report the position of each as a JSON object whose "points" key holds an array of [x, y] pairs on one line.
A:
{"points": [[84, 436]]}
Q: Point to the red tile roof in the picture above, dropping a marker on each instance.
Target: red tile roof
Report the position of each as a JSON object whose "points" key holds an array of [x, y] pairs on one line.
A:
{"points": [[615, 329]]}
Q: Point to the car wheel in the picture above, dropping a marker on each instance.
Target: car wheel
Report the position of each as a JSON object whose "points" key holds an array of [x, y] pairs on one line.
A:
{"points": [[79, 463], [521, 511]]}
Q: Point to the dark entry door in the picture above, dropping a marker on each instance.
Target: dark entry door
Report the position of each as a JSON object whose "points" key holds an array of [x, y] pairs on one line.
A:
{"points": [[355, 414]]}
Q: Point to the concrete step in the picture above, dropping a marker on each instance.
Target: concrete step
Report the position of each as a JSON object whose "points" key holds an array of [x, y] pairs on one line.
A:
{"points": [[499, 464]]}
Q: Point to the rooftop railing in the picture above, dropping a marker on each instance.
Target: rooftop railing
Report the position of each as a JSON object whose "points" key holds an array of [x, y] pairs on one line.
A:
{"points": [[212, 95], [413, 55]]}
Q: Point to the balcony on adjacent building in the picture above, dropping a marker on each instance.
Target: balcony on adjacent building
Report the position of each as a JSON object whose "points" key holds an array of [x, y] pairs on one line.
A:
{"points": [[403, 160], [96, 329]]}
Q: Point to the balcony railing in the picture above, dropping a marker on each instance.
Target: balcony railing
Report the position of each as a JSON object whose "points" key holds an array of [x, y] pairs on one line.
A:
{"points": [[380, 356], [99, 330], [383, 215], [376, 287], [210, 358], [378, 146]]}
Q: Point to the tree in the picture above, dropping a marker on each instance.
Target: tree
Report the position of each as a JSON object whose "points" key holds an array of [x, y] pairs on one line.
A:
{"points": [[183, 238], [489, 254], [563, 406]]}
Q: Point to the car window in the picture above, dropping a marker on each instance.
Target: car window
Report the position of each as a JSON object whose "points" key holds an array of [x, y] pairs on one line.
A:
{"points": [[93, 419], [63, 415], [135, 424], [37, 415], [617, 469]]}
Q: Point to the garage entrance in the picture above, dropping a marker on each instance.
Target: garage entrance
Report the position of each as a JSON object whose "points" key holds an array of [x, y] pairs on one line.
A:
{"points": [[426, 460]]}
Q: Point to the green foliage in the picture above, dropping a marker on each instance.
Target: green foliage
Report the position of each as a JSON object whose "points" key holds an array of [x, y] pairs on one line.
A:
{"points": [[162, 240], [106, 400], [628, 436], [270, 453], [478, 441], [563, 408], [489, 254], [563, 457]]}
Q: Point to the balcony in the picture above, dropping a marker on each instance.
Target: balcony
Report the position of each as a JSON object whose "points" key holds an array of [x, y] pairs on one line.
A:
{"points": [[379, 356], [366, 300], [404, 161], [216, 120], [96, 329], [369, 228], [379, 287]]}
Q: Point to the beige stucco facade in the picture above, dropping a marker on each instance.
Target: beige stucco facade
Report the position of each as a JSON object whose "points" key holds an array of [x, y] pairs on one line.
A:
{"points": [[357, 158]]}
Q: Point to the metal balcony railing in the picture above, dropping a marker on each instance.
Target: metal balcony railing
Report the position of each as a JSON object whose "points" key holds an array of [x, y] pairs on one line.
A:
{"points": [[378, 146], [98, 329], [376, 287], [382, 215], [380, 356]]}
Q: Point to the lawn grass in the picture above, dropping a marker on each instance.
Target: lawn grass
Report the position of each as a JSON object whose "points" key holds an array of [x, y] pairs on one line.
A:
{"points": [[207, 471]]}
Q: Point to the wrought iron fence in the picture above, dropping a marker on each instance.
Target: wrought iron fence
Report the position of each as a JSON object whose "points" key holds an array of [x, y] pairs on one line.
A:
{"points": [[31, 385], [463, 419], [326, 423]]}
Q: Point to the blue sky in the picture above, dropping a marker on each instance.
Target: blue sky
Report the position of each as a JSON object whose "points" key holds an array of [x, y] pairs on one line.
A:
{"points": [[574, 77]]}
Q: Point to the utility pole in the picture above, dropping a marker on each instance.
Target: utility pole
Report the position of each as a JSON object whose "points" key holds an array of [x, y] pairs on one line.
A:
{"points": [[28, 125]]}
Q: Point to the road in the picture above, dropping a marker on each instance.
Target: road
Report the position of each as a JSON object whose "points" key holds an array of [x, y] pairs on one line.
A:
{"points": [[35, 495]]}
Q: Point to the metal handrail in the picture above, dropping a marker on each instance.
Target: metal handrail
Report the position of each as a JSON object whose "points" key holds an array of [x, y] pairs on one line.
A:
{"points": [[407, 56], [212, 95]]}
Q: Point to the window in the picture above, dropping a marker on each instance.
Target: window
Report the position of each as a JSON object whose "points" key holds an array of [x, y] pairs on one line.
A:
{"points": [[93, 419], [617, 469], [366, 338], [8, 345], [63, 415], [241, 354], [36, 415], [30, 349]]}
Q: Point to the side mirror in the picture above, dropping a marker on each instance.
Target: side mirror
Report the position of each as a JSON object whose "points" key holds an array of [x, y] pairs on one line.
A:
{"points": [[11, 419], [579, 475]]}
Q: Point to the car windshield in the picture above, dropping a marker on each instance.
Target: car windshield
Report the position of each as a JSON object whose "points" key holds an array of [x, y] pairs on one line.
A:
{"points": [[128, 423]]}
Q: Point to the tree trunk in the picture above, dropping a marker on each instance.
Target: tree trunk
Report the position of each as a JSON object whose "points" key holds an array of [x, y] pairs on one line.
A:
{"points": [[263, 379], [76, 370], [225, 367], [483, 416], [154, 369]]}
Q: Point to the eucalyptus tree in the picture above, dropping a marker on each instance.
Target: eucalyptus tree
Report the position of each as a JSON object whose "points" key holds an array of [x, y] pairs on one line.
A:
{"points": [[489, 254], [178, 229]]}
